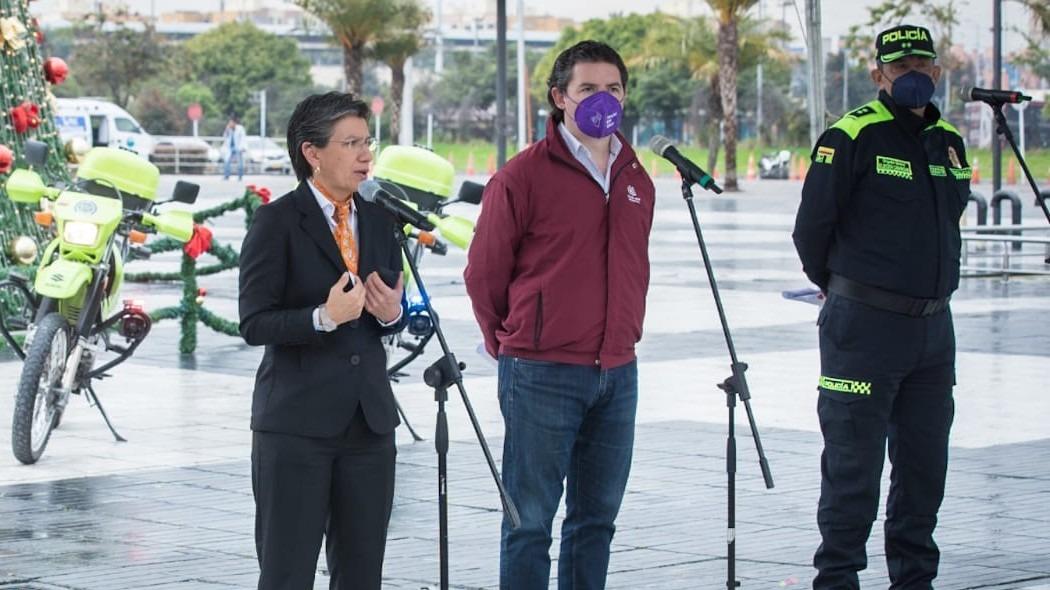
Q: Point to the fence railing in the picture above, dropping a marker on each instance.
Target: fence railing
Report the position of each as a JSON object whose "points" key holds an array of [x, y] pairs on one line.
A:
{"points": [[997, 249]]}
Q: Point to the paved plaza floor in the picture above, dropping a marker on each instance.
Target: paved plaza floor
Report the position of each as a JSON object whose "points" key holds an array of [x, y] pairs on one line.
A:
{"points": [[172, 507]]}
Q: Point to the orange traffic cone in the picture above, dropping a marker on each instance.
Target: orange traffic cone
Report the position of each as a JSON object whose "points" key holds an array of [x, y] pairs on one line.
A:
{"points": [[654, 169], [793, 168], [677, 174], [752, 171], [975, 176], [1011, 172], [802, 169], [470, 164], [490, 165]]}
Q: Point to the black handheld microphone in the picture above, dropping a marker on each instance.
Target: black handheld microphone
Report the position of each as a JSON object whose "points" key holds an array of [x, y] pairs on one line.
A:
{"points": [[371, 191], [690, 172], [994, 96]]}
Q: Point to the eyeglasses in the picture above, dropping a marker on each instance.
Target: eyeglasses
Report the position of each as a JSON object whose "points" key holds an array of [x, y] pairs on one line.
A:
{"points": [[358, 143]]}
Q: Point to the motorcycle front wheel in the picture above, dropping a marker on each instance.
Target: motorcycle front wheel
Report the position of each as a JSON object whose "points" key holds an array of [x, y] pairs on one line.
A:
{"points": [[39, 389]]}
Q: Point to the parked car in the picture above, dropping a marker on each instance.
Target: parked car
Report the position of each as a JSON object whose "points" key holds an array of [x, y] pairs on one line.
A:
{"points": [[775, 166], [185, 155], [264, 155]]}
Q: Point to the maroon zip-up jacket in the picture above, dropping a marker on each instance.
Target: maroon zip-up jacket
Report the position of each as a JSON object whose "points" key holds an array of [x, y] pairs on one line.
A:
{"points": [[557, 272]]}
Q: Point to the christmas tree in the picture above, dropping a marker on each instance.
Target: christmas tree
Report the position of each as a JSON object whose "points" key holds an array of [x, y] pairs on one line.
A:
{"points": [[26, 108]]}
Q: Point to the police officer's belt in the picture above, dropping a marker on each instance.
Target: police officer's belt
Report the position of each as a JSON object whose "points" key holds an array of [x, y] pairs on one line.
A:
{"points": [[886, 300]]}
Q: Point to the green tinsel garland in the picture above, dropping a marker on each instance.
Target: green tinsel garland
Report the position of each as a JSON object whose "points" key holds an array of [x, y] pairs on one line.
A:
{"points": [[190, 311]]}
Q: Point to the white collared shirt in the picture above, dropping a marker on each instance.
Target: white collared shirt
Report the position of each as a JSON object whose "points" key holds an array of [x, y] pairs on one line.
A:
{"points": [[583, 156], [328, 208]]}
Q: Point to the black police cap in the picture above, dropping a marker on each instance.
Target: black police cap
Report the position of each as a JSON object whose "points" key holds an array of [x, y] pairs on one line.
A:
{"points": [[893, 44]]}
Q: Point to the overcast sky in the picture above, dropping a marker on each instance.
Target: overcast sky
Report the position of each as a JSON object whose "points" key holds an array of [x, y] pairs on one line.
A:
{"points": [[837, 15]]}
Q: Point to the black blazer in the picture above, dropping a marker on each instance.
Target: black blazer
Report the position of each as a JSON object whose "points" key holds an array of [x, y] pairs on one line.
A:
{"points": [[309, 383]]}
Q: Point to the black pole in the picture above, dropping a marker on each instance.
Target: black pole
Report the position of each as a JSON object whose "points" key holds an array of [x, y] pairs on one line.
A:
{"points": [[441, 375], [997, 83], [501, 82], [734, 386]]}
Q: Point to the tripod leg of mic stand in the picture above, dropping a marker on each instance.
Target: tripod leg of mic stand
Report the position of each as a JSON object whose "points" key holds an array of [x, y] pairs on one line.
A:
{"points": [[404, 418]]}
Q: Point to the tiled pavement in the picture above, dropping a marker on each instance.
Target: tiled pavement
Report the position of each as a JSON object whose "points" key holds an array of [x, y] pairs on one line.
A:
{"points": [[172, 508]]}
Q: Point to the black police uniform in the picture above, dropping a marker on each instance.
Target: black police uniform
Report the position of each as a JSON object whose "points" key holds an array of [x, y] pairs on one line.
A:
{"points": [[878, 231]]}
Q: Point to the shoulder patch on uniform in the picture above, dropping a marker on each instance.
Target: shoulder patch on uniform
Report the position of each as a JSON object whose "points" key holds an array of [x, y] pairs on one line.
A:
{"points": [[824, 155], [857, 119]]}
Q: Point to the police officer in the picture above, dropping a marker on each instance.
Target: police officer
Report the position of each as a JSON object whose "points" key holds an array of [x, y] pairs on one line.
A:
{"points": [[878, 231]]}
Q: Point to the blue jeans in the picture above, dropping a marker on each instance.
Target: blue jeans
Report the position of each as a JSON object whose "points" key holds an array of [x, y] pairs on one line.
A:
{"points": [[572, 424], [240, 165]]}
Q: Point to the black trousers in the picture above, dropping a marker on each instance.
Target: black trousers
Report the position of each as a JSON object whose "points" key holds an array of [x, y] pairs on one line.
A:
{"points": [[341, 488], [885, 378]]}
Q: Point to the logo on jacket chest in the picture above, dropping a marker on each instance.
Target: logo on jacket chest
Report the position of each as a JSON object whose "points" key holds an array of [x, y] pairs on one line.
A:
{"points": [[632, 195], [893, 167]]}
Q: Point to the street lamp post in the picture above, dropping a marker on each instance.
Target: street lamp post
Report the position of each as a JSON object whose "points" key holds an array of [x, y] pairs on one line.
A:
{"points": [[501, 82]]}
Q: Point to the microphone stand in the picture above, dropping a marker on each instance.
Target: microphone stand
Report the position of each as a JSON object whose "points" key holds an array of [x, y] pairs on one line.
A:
{"points": [[734, 386], [1002, 128], [441, 375]]}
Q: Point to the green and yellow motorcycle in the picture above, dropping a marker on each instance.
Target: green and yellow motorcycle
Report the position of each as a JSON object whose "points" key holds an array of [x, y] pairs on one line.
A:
{"points": [[76, 317], [424, 181]]}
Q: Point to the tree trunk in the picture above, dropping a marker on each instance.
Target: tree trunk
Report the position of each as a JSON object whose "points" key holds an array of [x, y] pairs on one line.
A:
{"points": [[353, 68], [714, 137], [397, 90], [727, 58]]}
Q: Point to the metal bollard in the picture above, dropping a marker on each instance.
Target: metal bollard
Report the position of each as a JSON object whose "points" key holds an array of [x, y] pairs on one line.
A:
{"points": [[982, 207], [1015, 212]]}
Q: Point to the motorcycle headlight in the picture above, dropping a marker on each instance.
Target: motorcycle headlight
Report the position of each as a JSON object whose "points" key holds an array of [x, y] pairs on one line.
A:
{"points": [[80, 233]]}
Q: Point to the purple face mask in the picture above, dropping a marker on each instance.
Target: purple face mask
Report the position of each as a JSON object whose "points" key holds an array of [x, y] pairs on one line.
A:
{"points": [[599, 114]]}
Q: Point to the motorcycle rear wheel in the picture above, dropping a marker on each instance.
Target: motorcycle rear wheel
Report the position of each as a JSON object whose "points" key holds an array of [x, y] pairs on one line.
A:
{"points": [[36, 402]]}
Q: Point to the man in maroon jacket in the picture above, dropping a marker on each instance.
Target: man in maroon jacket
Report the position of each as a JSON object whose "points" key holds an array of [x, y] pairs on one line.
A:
{"points": [[557, 274]]}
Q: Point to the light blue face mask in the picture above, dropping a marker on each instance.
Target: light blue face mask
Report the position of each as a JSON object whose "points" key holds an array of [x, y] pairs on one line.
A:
{"points": [[913, 90]]}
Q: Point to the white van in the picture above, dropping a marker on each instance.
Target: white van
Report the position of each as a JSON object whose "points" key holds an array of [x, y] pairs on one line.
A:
{"points": [[101, 123]]}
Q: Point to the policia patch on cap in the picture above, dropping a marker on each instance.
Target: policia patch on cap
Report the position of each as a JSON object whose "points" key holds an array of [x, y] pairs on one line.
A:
{"points": [[893, 44]]}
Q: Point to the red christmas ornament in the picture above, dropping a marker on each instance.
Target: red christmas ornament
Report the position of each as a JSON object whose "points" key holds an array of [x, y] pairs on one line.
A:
{"points": [[55, 70], [7, 159], [199, 243], [25, 116], [19, 119]]}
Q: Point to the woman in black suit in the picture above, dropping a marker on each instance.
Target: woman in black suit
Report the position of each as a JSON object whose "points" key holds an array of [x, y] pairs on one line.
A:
{"points": [[323, 414]]}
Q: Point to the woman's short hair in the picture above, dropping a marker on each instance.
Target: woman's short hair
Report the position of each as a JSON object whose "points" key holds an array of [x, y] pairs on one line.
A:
{"points": [[585, 52], [312, 122]]}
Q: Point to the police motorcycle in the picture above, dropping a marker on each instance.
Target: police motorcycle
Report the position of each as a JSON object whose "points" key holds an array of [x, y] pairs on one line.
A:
{"points": [[76, 328], [423, 180]]}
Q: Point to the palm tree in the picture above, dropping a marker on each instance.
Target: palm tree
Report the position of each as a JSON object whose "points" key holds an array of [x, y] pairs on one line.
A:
{"points": [[396, 46], [695, 42], [355, 24], [729, 13]]}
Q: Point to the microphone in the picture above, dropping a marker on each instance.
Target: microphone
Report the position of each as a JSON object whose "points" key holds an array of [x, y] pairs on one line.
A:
{"points": [[371, 191], [690, 172], [993, 97]]}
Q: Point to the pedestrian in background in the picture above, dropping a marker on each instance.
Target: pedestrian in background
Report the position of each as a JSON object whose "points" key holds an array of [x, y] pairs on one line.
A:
{"points": [[233, 146], [878, 231]]}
